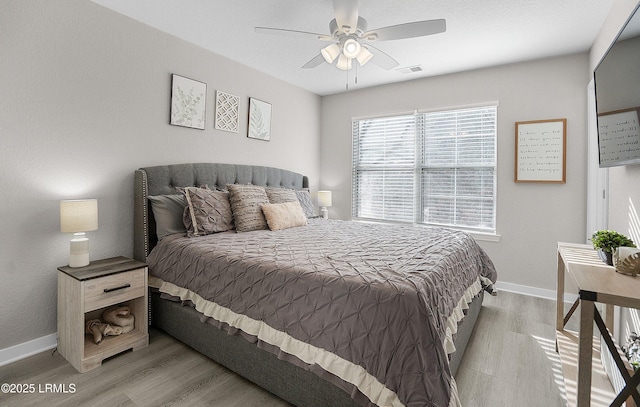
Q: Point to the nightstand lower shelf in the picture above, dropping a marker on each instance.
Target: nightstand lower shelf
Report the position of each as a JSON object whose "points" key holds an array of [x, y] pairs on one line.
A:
{"points": [[110, 346]]}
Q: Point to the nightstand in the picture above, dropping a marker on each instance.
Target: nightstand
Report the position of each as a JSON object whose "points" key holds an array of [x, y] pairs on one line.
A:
{"points": [[84, 293]]}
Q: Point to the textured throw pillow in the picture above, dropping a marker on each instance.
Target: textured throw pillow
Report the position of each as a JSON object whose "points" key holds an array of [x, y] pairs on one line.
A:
{"points": [[304, 197], [167, 212], [245, 204], [284, 215], [281, 195], [207, 211]]}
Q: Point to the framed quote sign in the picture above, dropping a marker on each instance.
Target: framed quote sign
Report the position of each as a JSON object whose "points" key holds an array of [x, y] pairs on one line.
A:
{"points": [[541, 151], [619, 137]]}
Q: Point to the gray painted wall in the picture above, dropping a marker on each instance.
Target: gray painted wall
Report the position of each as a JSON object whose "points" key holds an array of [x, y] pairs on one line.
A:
{"points": [[85, 102]]}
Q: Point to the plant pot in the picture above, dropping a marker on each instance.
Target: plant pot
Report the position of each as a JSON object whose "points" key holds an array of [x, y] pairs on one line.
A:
{"points": [[606, 257]]}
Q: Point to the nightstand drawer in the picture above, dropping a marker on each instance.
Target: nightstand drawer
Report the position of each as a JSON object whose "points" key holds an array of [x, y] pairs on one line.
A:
{"points": [[110, 290]]}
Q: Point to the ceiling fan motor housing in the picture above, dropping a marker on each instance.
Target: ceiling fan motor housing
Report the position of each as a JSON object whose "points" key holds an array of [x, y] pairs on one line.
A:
{"points": [[338, 31]]}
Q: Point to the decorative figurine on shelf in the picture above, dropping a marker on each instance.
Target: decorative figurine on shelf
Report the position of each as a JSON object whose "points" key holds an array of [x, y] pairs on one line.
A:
{"points": [[606, 241], [119, 316], [99, 330], [626, 260], [117, 320]]}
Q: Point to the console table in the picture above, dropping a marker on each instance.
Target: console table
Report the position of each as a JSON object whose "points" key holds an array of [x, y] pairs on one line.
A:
{"points": [[596, 282]]}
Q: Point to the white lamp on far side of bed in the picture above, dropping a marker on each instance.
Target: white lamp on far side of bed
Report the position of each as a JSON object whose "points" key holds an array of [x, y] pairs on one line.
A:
{"points": [[324, 201], [78, 216]]}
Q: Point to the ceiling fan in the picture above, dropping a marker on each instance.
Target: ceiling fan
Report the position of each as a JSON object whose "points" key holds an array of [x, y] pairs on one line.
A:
{"points": [[350, 39]]}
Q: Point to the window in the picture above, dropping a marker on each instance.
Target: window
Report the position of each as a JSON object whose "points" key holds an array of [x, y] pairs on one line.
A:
{"points": [[434, 168]]}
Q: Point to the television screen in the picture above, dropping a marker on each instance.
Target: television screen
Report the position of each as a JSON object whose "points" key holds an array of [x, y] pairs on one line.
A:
{"points": [[617, 84]]}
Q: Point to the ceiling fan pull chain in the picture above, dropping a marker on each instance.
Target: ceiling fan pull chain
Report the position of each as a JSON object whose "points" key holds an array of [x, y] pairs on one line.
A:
{"points": [[356, 81], [347, 71]]}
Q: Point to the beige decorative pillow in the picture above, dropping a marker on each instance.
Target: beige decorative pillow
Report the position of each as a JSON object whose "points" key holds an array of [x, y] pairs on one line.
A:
{"points": [[207, 211], [284, 215], [245, 204], [281, 195]]}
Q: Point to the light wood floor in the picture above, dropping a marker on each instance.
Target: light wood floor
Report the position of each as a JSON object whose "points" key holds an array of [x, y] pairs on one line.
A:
{"points": [[510, 361]]}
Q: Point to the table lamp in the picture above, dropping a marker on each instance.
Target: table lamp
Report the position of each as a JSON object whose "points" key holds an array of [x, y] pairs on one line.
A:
{"points": [[324, 201], [78, 216]]}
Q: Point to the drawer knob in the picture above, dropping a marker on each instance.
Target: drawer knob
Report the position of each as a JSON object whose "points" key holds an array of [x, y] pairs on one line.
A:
{"points": [[108, 290]]}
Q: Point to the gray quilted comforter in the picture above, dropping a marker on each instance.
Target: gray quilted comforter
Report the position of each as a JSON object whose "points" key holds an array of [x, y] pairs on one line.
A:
{"points": [[365, 296]]}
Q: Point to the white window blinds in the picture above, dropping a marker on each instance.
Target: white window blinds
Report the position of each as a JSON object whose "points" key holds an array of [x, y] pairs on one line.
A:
{"points": [[384, 168], [433, 168]]}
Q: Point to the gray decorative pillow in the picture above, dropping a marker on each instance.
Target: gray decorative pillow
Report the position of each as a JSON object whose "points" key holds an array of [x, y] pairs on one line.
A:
{"points": [[207, 211], [284, 215], [281, 195], [304, 197], [167, 212], [246, 201]]}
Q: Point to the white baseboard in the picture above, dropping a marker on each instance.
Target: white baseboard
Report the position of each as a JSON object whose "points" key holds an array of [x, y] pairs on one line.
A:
{"points": [[533, 291], [26, 349]]}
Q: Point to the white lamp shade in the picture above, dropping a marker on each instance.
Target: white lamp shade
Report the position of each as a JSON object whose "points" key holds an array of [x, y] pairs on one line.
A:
{"points": [[330, 53], [351, 48], [324, 198], [344, 63], [364, 56], [78, 215]]}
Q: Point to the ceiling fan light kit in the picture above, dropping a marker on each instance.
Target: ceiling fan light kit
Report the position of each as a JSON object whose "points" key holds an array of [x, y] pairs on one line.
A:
{"points": [[364, 56], [344, 63], [351, 48], [348, 41], [330, 53]]}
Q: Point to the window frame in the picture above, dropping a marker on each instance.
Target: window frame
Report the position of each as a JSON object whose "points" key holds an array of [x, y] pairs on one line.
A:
{"points": [[420, 166]]}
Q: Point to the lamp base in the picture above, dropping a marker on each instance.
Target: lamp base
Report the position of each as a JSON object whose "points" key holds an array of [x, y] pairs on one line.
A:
{"points": [[324, 212], [79, 251]]}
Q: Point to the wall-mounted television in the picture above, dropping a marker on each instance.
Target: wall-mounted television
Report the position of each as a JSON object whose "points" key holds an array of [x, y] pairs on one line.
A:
{"points": [[617, 85]]}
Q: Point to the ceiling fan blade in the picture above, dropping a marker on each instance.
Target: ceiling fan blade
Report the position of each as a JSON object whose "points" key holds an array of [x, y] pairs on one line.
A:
{"points": [[346, 12], [315, 61], [408, 30], [381, 58], [282, 31]]}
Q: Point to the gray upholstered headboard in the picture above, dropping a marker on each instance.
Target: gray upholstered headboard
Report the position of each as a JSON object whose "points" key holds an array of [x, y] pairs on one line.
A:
{"points": [[162, 180]]}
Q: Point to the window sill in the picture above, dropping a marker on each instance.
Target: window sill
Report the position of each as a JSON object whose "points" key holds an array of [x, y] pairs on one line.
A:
{"points": [[486, 237], [478, 236]]}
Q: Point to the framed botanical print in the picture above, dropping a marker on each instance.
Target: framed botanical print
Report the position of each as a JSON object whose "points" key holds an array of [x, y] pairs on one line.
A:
{"points": [[259, 120], [188, 99]]}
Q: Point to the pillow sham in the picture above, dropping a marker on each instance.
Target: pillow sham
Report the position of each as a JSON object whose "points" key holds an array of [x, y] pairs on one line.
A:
{"points": [[281, 195], [284, 215], [304, 197], [207, 211], [167, 212], [245, 203]]}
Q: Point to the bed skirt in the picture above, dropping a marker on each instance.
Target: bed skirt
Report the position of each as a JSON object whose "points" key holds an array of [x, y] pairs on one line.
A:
{"points": [[292, 383]]}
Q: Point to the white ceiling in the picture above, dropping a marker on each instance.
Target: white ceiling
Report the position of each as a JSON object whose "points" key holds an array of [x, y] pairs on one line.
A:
{"points": [[480, 33]]}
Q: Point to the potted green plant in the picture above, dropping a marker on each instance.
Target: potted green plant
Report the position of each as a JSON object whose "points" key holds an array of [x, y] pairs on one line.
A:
{"points": [[606, 241]]}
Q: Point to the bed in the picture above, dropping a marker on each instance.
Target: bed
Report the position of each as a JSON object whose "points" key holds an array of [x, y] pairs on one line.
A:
{"points": [[325, 313]]}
